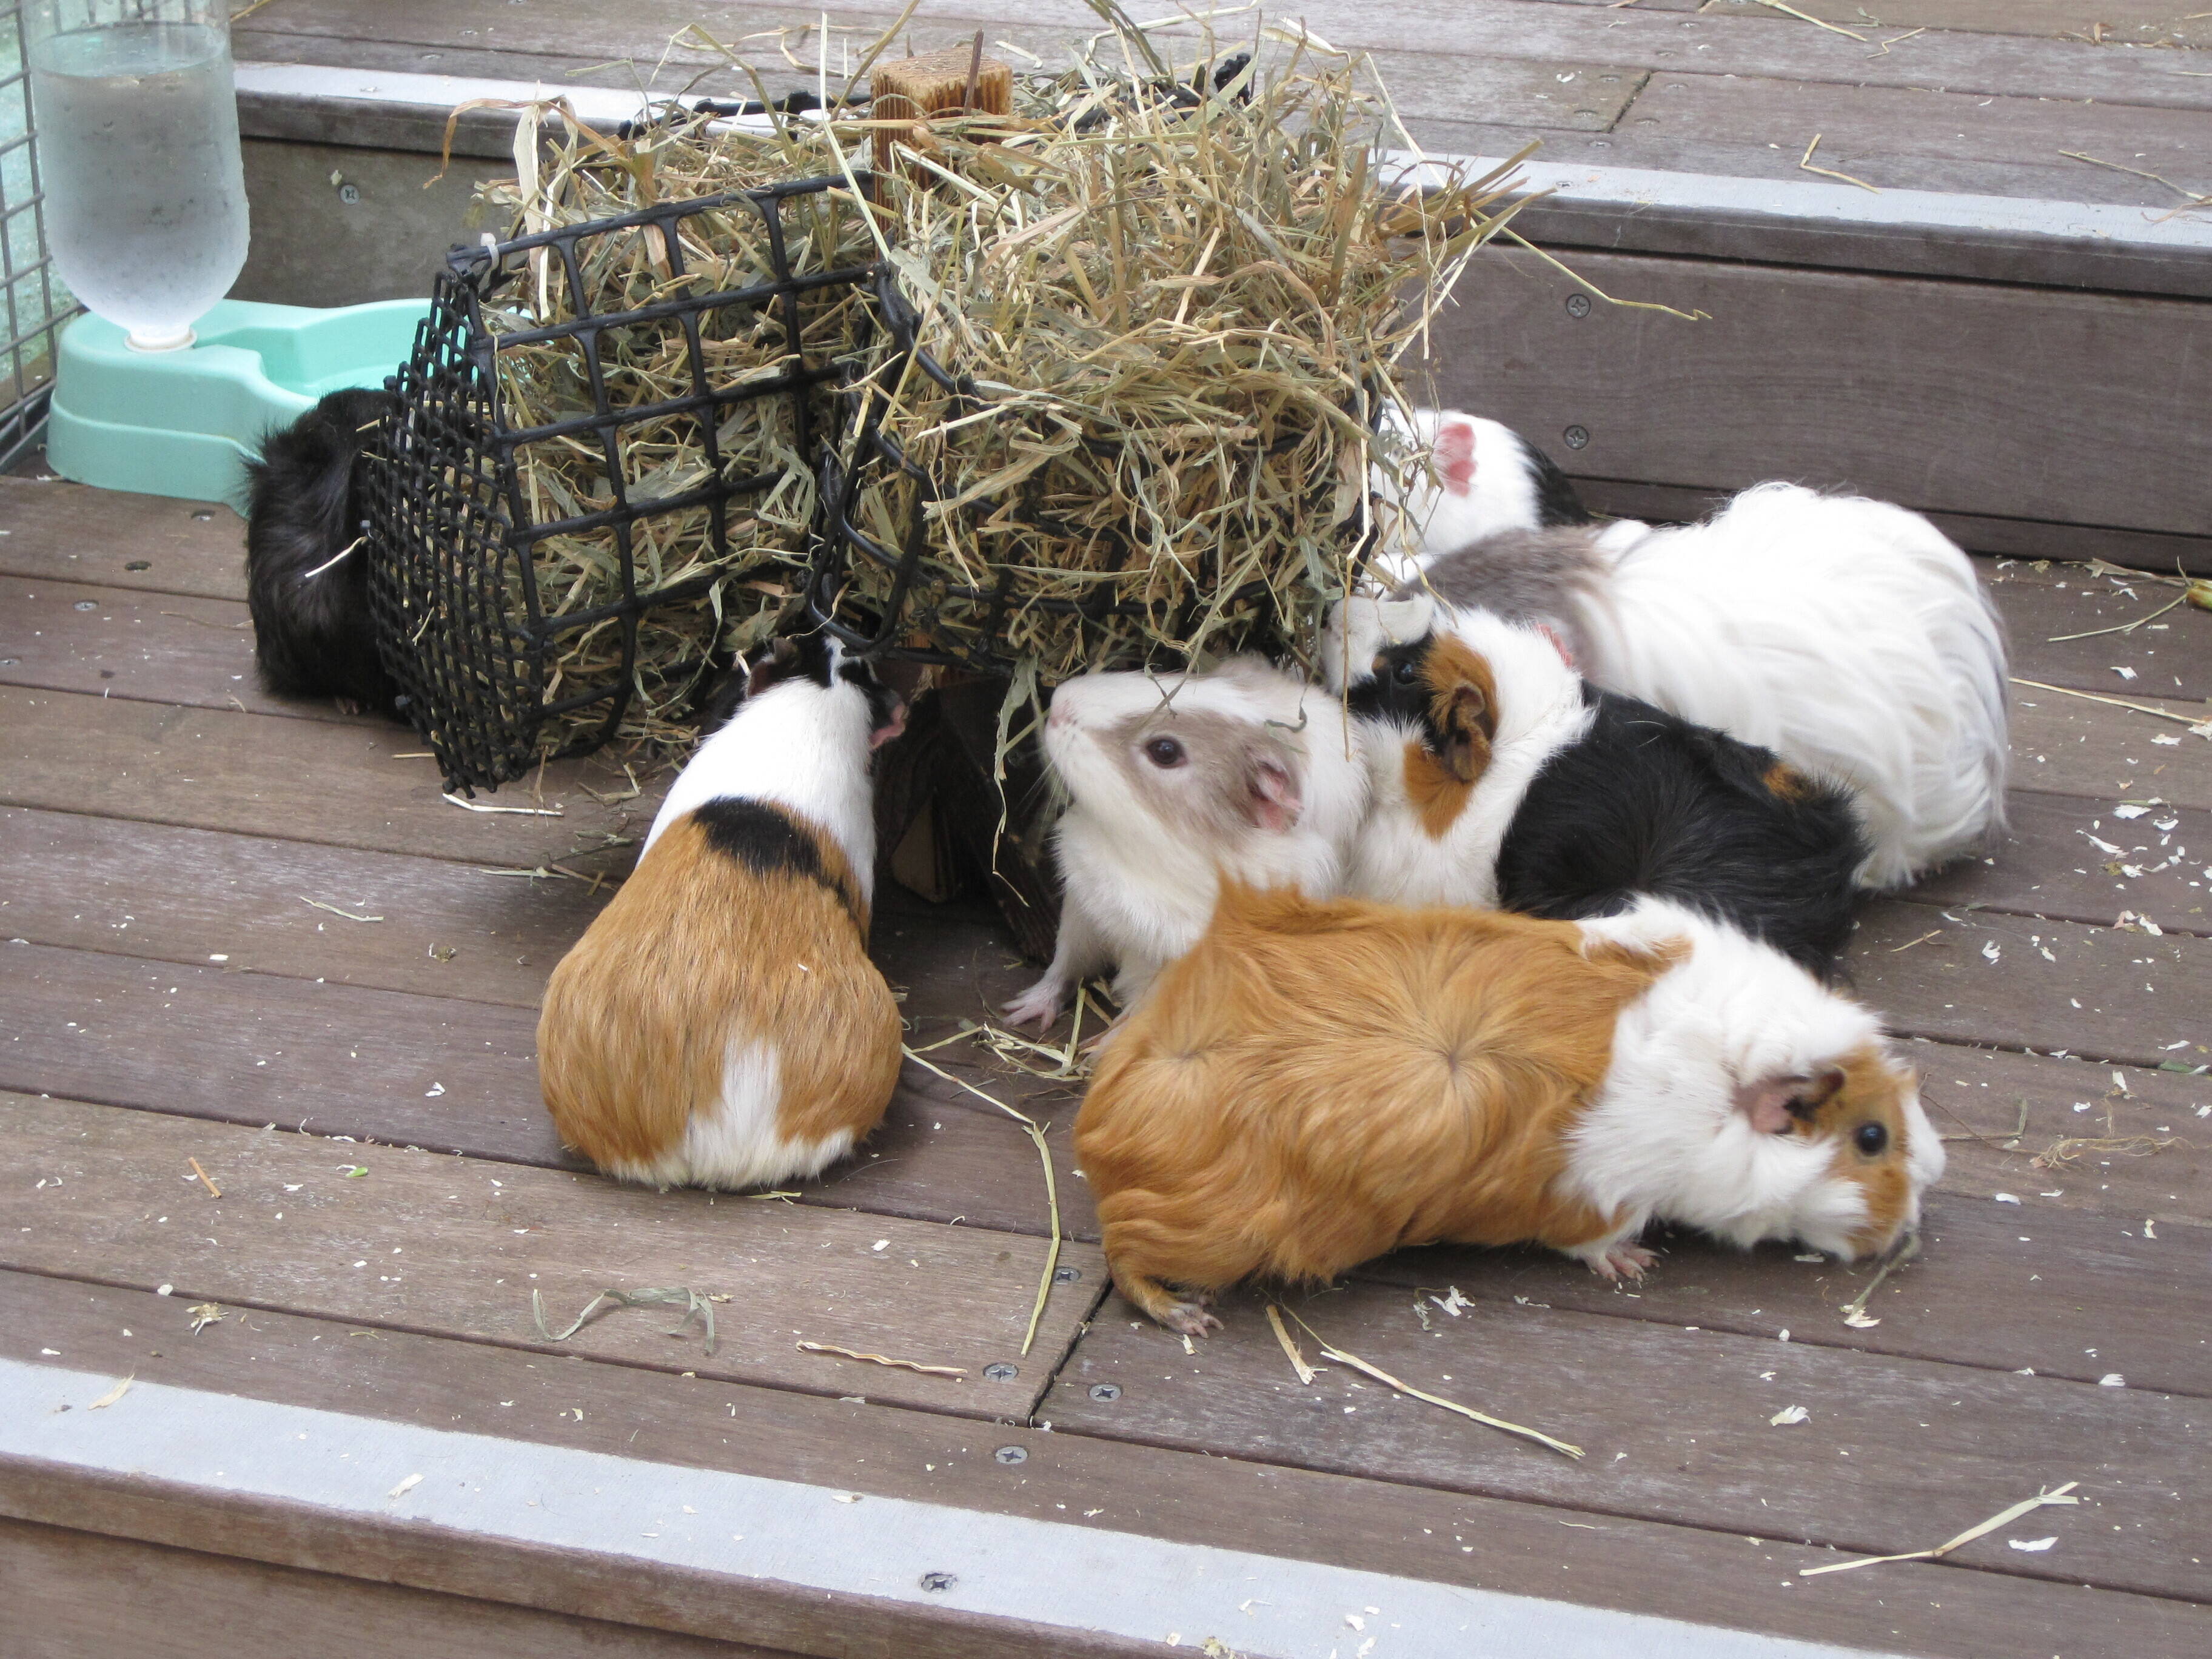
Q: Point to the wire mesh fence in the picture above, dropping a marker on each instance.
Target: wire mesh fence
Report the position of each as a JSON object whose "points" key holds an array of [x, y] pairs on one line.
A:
{"points": [[37, 304]]}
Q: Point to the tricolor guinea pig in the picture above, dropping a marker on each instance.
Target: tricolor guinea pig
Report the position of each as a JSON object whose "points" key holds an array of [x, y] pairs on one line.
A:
{"points": [[1170, 779], [1499, 777], [720, 1024], [1850, 636], [306, 565], [1319, 1082], [1479, 479]]}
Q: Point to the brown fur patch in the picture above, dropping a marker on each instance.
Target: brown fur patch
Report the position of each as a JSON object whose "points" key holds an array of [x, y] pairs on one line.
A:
{"points": [[1317, 1084], [696, 952], [1460, 725], [1866, 1086], [1785, 782]]}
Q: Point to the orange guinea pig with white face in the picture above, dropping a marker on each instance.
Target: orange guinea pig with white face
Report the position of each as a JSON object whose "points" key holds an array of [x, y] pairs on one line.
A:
{"points": [[1319, 1083], [720, 1025]]}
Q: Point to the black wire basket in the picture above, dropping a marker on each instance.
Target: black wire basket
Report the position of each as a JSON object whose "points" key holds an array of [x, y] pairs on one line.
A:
{"points": [[464, 624], [929, 618]]}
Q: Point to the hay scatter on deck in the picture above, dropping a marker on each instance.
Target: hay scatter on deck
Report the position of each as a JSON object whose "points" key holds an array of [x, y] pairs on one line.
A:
{"points": [[584, 175], [1173, 320]]}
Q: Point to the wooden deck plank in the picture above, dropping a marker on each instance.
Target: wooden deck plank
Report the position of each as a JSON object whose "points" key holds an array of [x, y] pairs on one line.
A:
{"points": [[78, 1596], [1898, 1454], [2074, 1296], [2047, 866], [2171, 655], [2071, 746], [326, 781], [459, 1077], [2135, 22], [296, 1231], [2144, 1150], [2101, 993], [150, 648], [1883, 407], [63, 531], [1111, 1484]]}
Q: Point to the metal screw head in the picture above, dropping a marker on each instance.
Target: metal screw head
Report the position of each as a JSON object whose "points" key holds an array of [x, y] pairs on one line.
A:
{"points": [[1013, 1453], [999, 1371], [9, 662], [1066, 1275], [1105, 1390], [349, 194], [1577, 437], [87, 604], [938, 1581], [1578, 305], [202, 515], [139, 564]]}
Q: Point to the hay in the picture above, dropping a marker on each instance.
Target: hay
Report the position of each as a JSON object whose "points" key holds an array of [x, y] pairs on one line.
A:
{"points": [[1170, 323]]}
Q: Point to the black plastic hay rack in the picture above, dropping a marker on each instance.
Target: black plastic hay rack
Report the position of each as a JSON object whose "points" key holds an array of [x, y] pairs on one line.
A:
{"points": [[908, 609], [450, 519]]}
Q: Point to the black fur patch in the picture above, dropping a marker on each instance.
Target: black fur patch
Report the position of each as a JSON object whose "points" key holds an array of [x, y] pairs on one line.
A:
{"points": [[1395, 689], [1649, 803], [311, 633], [1556, 503], [764, 840]]}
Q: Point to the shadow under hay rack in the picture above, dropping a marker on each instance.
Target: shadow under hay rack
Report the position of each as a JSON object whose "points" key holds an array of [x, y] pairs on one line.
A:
{"points": [[484, 655]]}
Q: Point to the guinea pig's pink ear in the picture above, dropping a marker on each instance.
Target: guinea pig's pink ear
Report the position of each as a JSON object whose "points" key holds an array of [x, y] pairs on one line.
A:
{"points": [[1767, 1101], [893, 722], [1273, 803], [1455, 456]]}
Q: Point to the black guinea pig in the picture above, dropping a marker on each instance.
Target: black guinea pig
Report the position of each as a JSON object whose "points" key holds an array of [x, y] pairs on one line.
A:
{"points": [[306, 566]]}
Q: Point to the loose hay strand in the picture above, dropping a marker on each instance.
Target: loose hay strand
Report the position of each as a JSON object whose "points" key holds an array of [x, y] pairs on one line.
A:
{"points": [[1051, 1185], [694, 1305], [2003, 1518], [1306, 1373], [1382, 1376], [881, 1359]]}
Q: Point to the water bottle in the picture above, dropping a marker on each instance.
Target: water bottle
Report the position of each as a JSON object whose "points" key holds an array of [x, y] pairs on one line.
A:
{"points": [[138, 124]]}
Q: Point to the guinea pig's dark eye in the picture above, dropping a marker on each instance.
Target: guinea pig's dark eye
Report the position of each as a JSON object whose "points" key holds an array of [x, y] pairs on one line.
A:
{"points": [[1871, 1139], [1406, 672], [1164, 752]]}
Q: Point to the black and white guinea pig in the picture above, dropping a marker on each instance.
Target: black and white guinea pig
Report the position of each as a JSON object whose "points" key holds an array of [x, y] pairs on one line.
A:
{"points": [[1850, 636], [1499, 777], [1171, 781], [306, 574], [1486, 478], [720, 1024]]}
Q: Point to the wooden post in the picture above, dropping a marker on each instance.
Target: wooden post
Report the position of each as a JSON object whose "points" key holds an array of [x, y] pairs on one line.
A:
{"points": [[958, 79]]}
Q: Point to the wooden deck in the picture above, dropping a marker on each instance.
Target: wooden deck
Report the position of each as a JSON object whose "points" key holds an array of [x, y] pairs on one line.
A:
{"points": [[362, 1093]]}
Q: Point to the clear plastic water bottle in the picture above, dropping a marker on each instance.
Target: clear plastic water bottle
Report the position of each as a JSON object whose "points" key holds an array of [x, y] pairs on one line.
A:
{"points": [[137, 126]]}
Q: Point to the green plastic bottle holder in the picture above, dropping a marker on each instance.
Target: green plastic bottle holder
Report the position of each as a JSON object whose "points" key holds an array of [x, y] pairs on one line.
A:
{"points": [[184, 422]]}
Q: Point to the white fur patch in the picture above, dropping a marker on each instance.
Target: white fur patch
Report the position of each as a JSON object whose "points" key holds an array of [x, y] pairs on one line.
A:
{"points": [[735, 1144]]}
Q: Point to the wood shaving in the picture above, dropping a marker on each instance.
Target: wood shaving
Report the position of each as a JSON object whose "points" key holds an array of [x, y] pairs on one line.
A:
{"points": [[112, 1395], [881, 1359]]}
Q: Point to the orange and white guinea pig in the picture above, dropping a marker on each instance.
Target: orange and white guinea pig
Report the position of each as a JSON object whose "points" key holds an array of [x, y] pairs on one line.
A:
{"points": [[720, 1024], [1318, 1083]]}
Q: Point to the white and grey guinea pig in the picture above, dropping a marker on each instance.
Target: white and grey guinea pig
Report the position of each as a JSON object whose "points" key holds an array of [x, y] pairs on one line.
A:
{"points": [[720, 1024], [1499, 777], [1748, 1101], [1482, 478], [1172, 780], [307, 570], [1850, 636]]}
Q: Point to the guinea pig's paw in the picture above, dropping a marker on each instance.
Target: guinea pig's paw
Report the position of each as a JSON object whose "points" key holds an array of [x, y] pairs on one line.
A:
{"points": [[1039, 1005], [1617, 1262], [1189, 1318]]}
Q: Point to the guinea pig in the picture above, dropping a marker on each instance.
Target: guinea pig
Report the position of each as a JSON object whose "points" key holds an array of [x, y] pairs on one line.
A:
{"points": [[1317, 1083], [1171, 781], [1850, 636], [306, 570], [720, 1024], [1487, 478], [1499, 777]]}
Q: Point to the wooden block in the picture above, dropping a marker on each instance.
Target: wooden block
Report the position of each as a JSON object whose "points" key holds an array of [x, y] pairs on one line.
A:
{"points": [[1898, 1454], [912, 90], [421, 1242]]}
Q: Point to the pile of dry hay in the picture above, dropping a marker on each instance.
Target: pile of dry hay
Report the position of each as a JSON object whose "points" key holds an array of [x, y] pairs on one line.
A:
{"points": [[1171, 320]]}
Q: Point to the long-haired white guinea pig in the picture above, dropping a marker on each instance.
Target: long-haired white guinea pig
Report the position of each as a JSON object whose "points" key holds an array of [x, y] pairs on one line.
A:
{"points": [[720, 1024], [1481, 478], [1171, 780], [1850, 636]]}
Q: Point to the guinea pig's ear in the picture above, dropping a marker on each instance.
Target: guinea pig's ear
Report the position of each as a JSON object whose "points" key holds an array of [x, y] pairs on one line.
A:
{"points": [[777, 663], [890, 717], [1272, 801], [1773, 1104], [1455, 456]]}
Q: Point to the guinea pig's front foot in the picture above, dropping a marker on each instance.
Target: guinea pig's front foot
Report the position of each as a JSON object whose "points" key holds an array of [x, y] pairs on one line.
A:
{"points": [[1186, 1315], [1039, 1005], [1616, 1262]]}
